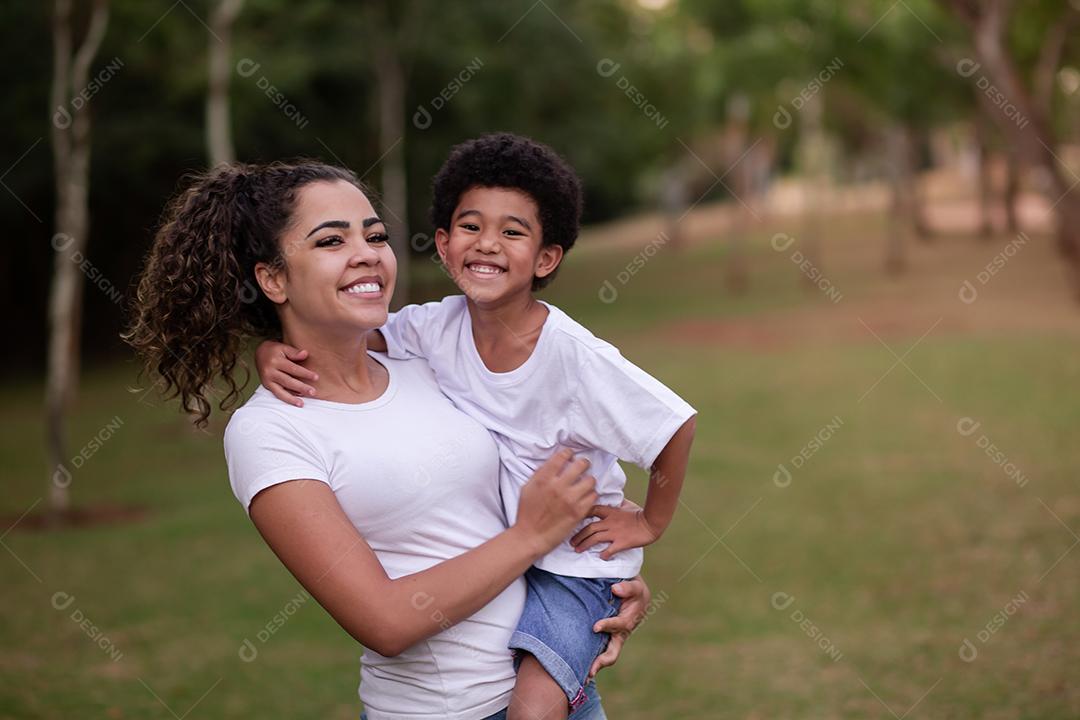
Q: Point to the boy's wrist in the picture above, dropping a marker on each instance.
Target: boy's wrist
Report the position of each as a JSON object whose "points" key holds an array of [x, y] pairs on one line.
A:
{"points": [[656, 525]]}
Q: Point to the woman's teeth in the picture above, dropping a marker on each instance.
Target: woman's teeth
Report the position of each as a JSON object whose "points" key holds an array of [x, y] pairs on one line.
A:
{"points": [[362, 288]]}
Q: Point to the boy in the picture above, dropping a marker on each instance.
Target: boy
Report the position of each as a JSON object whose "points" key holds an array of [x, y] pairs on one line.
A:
{"points": [[506, 209]]}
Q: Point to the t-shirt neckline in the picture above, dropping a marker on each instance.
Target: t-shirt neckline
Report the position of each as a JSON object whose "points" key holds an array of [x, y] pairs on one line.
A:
{"points": [[521, 371], [375, 403]]}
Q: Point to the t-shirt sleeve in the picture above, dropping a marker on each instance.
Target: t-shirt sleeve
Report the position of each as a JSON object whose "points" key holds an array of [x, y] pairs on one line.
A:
{"points": [[623, 410], [404, 331], [262, 448]]}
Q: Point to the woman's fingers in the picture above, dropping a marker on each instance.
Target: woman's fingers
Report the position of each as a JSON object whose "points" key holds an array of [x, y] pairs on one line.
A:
{"points": [[574, 469], [609, 656], [617, 624], [635, 596], [554, 466]]}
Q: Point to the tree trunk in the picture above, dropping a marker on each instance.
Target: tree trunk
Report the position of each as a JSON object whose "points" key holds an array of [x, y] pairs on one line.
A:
{"points": [[1011, 197], [390, 91], [219, 144], [985, 179], [898, 153], [1030, 130], [814, 180], [71, 152], [734, 152], [915, 193], [674, 199]]}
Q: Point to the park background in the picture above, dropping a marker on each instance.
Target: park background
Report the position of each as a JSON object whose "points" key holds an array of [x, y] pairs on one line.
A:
{"points": [[847, 232]]}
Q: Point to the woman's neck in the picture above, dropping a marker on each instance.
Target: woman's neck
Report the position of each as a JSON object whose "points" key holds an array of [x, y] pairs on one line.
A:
{"points": [[346, 372]]}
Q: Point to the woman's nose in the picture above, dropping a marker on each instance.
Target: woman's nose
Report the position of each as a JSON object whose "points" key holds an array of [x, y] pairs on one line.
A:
{"points": [[364, 254]]}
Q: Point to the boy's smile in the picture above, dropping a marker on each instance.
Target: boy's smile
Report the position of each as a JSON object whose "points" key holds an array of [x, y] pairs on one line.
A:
{"points": [[494, 247]]}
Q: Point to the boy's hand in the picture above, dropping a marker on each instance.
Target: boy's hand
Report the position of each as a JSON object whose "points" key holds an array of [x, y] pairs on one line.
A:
{"points": [[279, 372], [624, 528]]}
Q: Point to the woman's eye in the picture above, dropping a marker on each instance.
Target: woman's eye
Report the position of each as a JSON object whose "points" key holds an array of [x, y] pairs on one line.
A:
{"points": [[328, 241], [378, 238]]}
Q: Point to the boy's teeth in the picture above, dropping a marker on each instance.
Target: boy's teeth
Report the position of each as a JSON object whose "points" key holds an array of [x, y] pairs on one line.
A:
{"points": [[362, 288], [488, 269]]}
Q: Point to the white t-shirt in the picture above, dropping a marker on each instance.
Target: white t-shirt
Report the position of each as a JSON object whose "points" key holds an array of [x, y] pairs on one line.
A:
{"points": [[418, 479], [574, 391]]}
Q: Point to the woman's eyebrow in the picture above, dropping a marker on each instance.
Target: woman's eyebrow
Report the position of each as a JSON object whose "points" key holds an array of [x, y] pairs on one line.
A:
{"points": [[368, 222], [338, 224]]}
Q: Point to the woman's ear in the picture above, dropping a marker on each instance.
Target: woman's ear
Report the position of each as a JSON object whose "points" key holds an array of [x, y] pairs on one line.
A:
{"points": [[442, 239], [272, 282], [547, 260]]}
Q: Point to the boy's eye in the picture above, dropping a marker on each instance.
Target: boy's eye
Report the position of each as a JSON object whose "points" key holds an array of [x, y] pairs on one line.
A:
{"points": [[511, 231], [328, 241], [378, 238], [469, 226]]}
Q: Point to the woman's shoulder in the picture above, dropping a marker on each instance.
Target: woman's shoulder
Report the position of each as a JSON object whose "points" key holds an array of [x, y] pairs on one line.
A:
{"points": [[261, 414]]}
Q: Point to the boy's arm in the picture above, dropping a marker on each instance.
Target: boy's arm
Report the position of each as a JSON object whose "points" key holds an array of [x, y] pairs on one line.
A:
{"points": [[280, 372], [630, 527], [376, 341]]}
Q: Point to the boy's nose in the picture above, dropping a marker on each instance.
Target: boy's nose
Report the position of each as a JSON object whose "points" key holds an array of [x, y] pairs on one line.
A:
{"points": [[488, 242]]}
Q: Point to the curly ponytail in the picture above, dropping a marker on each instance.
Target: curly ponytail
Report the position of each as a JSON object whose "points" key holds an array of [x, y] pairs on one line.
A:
{"points": [[197, 300]]}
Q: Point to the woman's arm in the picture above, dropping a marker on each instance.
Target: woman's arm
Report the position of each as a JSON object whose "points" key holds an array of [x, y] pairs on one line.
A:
{"points": [[306, 528]]}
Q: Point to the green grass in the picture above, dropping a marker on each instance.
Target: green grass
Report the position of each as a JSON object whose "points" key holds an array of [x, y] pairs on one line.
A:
{"points": [[898, 539]]}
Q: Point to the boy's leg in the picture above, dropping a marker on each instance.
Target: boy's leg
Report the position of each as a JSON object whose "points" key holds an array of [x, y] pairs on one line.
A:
{"points": [[536, 695]]}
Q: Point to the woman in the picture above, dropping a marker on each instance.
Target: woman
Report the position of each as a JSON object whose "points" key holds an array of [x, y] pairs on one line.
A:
{"points": [[380, 497]]}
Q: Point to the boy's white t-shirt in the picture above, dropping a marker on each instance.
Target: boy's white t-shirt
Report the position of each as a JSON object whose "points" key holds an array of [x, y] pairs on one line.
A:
{"points": [[574, 391], [417, 478]]}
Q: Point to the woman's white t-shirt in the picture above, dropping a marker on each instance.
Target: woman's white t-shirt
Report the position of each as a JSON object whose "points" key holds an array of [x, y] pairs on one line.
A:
{"points": [[419, 480]]}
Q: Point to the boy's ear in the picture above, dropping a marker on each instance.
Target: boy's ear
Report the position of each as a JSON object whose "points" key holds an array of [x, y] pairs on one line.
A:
{"points": [[442, 239], [272, 282], [547, 260]]}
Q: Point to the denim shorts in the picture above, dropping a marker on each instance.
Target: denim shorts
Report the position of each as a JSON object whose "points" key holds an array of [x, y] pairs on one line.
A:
{"points": [[556, 627], [591, 709]]}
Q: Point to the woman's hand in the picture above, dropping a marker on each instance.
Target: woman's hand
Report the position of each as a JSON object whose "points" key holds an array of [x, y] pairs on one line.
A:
{"points": [[636, 597], [279, 372], [557, 497]]}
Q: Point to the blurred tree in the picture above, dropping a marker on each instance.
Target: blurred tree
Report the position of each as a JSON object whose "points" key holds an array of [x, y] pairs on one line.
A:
{"points": [[71, 151], [391, 31], [219, 141], [1036, 140]]}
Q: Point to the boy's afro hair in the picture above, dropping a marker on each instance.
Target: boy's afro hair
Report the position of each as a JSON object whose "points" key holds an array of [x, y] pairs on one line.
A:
{"points": [[505, 160]]}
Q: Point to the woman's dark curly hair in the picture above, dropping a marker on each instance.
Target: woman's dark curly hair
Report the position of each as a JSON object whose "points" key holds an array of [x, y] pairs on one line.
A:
{"points": [[197, 299], [505, 160]]}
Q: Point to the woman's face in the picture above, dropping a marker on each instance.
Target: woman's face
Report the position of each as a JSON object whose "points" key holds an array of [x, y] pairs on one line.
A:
{"points": [[339, 269]]}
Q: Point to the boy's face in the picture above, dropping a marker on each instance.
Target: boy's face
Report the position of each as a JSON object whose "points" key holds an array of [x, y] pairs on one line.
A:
{"points": [[494, 247]]}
